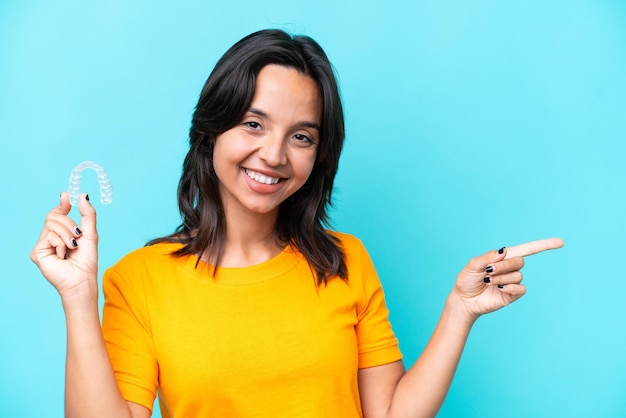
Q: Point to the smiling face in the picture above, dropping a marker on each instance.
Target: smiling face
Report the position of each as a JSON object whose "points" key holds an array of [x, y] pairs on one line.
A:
{"points": [[270, 153]]}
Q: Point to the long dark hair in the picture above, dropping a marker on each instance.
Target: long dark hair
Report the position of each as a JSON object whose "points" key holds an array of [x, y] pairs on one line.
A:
{"points": [[224, 99]]}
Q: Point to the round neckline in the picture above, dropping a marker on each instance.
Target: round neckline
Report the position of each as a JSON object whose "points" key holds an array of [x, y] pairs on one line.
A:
{"points": [[270, 269]]}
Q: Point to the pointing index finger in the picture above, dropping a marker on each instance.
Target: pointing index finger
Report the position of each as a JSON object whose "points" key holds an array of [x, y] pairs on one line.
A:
{"points": [[534, 247]]}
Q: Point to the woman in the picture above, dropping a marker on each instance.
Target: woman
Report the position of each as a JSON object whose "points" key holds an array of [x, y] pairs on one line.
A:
{"points": [[251, 307]]}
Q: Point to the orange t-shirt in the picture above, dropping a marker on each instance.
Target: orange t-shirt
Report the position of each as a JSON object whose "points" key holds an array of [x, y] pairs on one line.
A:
{"points": [[260, 341]]}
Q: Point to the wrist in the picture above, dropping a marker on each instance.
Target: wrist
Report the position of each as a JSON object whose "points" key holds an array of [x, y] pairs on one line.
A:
{"points": [[80, 296], [458, 311]]}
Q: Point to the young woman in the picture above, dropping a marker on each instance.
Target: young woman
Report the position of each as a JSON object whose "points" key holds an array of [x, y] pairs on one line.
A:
{"points": [[251, 308]]}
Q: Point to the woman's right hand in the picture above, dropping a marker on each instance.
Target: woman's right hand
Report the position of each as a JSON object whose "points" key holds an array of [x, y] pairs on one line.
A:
{"points": [[67, 254]]}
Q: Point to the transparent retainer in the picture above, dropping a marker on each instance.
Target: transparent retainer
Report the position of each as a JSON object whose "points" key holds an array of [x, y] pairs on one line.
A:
{"points": [[106, 194]]}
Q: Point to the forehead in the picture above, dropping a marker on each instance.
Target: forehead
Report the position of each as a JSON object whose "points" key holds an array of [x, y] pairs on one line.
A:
{"points": [[284, 91]]}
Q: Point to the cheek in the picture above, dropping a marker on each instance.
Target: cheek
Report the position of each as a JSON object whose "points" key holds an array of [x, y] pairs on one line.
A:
{"points": [[305, 166], [217, 159], [223, 164], [228, 152]]}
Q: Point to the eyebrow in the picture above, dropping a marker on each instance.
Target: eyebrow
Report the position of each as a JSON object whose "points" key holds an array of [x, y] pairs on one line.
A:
{"points": [[303, 123]]}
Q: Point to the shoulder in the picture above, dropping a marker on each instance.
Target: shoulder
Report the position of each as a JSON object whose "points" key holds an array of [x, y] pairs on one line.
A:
{"points": [[352, 247], [142, 270], [347, 241], [362, 276], [152, 255]]}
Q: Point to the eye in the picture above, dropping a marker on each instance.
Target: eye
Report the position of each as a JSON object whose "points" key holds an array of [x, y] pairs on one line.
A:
{"points": [[304, 140], [252, 124]]}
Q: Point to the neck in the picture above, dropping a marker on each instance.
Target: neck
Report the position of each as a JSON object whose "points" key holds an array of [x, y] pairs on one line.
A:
{"points": [[250, 239]]}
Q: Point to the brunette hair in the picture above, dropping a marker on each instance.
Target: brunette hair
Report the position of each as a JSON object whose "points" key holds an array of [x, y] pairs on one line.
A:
{"points": [[224, 99]]}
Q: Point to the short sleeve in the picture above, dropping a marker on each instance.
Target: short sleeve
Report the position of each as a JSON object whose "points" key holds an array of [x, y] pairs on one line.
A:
{"points": [[377, 343], [125, 325]]}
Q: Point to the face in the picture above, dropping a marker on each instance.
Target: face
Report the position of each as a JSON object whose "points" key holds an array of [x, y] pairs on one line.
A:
{"points": [[270, 154]]}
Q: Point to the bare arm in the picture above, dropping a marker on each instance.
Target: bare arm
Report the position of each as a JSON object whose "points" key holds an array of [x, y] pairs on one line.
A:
{"points": [[489, 282], [68, 258], [421, 390]]}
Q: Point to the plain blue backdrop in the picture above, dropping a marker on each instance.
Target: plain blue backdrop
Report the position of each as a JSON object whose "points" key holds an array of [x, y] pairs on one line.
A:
{"points": [[470, 125]]}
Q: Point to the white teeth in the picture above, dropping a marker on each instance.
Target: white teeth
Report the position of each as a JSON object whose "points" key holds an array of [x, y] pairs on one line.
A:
{"points": [[260, 177]]}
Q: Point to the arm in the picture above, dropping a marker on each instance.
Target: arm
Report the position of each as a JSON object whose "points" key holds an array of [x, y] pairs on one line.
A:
{"points": [[388, 391], [68, 258]]}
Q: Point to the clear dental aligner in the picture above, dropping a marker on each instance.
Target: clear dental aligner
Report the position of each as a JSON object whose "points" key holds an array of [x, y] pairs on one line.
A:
{"points": [[106, 194]]}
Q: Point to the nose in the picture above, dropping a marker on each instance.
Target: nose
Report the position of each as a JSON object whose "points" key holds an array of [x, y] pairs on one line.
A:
{"points": [[272, 150]]}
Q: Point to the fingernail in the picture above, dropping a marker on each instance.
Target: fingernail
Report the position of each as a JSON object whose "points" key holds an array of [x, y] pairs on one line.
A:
{"points": [[501, 250], [487, 279], [500, 286], [74, 243], [87, 196], [77, 230], [489, 269]]}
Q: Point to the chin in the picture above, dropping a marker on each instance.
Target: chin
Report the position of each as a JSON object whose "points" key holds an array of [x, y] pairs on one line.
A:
{"points": [[263, 210]]}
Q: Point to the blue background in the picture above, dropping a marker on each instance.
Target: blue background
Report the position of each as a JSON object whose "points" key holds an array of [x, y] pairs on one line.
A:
{"points": [[470, 125]]}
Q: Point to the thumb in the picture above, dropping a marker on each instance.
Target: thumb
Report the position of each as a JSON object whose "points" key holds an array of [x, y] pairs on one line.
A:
{"points": [[87, 217], [64, 204]]}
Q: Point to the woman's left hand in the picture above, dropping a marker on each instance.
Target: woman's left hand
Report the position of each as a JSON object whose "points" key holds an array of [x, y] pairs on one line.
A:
{"points": [[493, 280]]}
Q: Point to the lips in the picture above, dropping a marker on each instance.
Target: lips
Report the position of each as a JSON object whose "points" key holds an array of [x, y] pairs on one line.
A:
{"points": [[261, 178]]}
